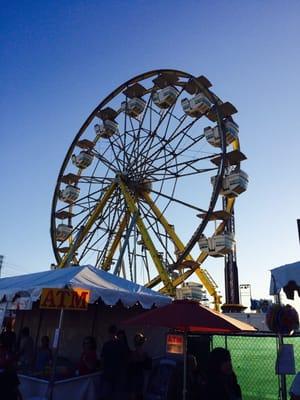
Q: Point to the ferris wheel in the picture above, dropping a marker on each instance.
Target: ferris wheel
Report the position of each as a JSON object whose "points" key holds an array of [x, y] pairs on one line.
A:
{"points": [[139, 193]]}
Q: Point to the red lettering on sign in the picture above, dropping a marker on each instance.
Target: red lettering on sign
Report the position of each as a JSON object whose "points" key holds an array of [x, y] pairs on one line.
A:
{"points": [[63, 294], [79, 301]]}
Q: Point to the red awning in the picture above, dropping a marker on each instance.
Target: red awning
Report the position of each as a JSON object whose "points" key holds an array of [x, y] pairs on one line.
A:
{"points": [[190, 316]]}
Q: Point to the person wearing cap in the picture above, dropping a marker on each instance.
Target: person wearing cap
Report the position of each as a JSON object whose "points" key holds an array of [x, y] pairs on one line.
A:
{"points": [[221, 379], [295, 388], [140, 362]]}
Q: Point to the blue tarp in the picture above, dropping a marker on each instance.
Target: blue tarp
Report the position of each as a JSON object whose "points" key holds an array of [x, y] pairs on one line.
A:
{"points": [[281, 276]]}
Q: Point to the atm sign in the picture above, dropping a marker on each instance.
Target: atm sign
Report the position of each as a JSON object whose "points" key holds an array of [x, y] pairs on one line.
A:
{"points": [[69, 299]]}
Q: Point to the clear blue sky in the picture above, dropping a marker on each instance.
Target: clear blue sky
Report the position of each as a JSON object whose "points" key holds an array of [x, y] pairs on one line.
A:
{"points": [[60, 58]]}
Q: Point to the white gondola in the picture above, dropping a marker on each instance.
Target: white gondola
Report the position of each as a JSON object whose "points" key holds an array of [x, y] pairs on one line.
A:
{"points": [[231, 130], [217, 245], [69, 194], [107, 129], [203, 243], [63, 231], [134, 107], [196, 106], [165, 97], [82, 160], [233, 184], [213, 136]]}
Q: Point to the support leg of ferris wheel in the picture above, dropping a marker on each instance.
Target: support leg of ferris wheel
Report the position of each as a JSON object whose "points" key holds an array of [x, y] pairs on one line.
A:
{"points": [[204, 277], [94, 215], [197, 267], [147, 239], [108, 260], [123, 248], [201, 273]]}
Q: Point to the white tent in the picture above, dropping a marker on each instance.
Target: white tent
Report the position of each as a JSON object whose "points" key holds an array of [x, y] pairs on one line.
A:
{"points": [[104, 285], [283, 275]]}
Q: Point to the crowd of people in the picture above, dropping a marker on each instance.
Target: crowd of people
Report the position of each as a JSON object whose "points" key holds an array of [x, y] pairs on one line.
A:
{"points": [[123, 368], [21, 354]]}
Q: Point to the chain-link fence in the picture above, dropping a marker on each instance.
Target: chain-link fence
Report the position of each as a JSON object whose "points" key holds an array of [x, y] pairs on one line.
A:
{"points": [[254, 359]]}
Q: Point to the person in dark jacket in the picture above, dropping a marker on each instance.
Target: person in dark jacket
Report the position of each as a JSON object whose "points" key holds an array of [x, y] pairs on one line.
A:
{"points": [[125, 353], [114, 359], [221, 379], [140, 362]]}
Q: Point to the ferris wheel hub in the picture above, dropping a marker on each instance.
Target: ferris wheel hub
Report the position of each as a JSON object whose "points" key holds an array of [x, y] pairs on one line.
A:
{"points": [[137, 183]]}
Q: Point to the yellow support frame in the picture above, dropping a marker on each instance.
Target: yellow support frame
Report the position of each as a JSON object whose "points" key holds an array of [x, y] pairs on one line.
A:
{"points": [[204, 278], [202, 257], [147, 240], [108, 260], [170, 231], [95, 214]]}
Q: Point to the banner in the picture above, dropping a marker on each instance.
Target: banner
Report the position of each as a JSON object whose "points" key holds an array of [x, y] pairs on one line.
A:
{"points": [[69, 299], [21, 303]]}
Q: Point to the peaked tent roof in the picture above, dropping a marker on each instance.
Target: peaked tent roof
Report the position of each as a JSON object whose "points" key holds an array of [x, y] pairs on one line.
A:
{"points": [[189, 316], [104, 285]]}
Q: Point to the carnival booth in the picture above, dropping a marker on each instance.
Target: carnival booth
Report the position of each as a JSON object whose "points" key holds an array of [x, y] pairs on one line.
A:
{"points": [[67, 305], [184, 318]]}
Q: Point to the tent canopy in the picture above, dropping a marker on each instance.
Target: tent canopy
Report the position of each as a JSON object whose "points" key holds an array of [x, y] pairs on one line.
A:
{"points": [[189, 316], [104, 285], [285, 277]]}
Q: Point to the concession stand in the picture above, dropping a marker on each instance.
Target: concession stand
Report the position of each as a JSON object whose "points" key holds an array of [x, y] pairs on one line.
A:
{"points": [[185, 318], [67, 305]]}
